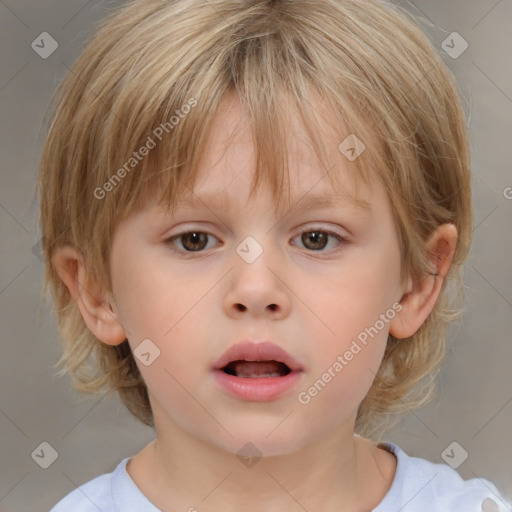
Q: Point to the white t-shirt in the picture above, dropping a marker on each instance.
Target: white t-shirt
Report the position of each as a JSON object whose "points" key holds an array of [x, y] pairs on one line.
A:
{"points": [[418, 486]]}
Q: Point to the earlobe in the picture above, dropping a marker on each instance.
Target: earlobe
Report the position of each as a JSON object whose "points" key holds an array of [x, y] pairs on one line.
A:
{"points": [[421, 297], [93, 302]]}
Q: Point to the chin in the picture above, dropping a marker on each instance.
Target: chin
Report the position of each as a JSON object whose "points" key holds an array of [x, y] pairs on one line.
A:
{"points": [[262, 439]]}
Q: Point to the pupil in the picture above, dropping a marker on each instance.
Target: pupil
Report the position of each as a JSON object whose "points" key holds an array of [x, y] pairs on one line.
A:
{"points": [[196, 239], [318, 238]]}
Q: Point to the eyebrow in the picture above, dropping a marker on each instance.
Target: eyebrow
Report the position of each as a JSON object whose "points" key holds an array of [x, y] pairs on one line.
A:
{"points": [[330, 199], [307, 201]]}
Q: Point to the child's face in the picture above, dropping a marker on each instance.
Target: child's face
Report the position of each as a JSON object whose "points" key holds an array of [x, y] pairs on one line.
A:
{"points": [[310, 298]]}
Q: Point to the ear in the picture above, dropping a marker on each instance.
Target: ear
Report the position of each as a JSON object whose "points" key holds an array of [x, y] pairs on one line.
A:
{"points": [[420, 298], [93, 302]]}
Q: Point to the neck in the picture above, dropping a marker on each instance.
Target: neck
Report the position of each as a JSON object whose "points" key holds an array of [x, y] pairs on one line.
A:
{"points": [[339, 472]]}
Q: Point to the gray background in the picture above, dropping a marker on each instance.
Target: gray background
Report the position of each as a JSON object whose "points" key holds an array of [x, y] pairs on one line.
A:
{"points": [[474, 406]]}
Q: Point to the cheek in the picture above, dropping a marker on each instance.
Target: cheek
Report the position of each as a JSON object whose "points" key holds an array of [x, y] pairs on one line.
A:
{"points": [[172, 373], [172, 395], [355, 309], [337, 385], [353, 299], [152, 300], [168, 308]]}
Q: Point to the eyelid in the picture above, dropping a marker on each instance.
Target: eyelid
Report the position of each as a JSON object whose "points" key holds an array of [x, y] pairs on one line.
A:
{"points": [[302, 229], [324, 228]]}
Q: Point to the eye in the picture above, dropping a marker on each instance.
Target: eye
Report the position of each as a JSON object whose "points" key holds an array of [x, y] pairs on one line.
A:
{"points": [[191, 241], [317, 239], [314, 239]]}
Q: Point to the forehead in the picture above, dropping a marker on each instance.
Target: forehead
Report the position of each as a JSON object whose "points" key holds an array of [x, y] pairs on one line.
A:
{"points": [[226, 168]]}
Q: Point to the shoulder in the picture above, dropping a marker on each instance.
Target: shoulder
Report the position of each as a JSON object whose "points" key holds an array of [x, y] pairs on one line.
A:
{"points": [[420, 485], [94, 495]]}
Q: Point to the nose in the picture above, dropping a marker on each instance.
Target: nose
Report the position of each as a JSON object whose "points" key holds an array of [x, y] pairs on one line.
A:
{"points": [[258, 289]]}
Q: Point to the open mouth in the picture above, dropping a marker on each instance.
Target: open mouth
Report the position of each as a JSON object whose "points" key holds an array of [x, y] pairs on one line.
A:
{"points": [[257, 372], [256, 369]]}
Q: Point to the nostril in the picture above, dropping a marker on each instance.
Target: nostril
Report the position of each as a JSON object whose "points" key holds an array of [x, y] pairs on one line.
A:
{"points": [[241, 307]]}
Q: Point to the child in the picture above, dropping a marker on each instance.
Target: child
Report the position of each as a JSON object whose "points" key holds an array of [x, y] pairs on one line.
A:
{"points": [[251, 211]]}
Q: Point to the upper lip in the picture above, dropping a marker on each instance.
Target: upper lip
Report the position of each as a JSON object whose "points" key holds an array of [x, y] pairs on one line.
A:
{"points": [[257, 351]]}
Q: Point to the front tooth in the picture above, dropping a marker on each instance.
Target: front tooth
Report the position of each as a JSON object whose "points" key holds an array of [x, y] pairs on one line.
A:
{"points": [[257, 375]]}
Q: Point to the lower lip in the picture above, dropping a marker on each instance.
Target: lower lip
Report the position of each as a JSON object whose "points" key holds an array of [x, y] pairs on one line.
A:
{"points": [[257, 389]]}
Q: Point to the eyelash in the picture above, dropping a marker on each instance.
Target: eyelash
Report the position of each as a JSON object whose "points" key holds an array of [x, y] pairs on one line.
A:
{"points": [[342, 241]]}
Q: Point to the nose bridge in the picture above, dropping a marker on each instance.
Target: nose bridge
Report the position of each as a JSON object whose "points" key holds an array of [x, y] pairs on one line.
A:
{"points": [[256, 286], [256, 257]]}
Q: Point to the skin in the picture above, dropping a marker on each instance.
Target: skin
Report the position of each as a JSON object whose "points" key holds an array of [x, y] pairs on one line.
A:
{"points": [[187, 304]]}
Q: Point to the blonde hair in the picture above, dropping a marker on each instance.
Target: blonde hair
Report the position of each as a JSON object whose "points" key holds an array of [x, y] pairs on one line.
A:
{"points": [[378, 77]]}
